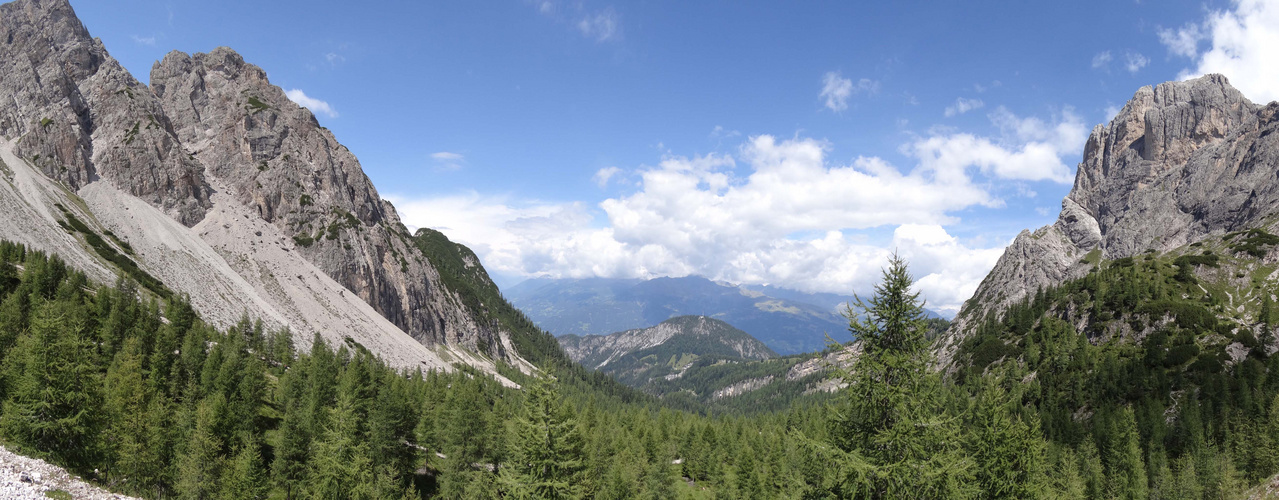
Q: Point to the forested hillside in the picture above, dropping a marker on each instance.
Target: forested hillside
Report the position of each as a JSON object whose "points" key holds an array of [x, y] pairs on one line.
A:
{"points": [[161, 405], [1172, 353]]}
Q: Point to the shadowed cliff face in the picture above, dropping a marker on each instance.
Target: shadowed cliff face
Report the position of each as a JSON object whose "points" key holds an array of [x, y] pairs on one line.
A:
{"points": [[219, 149], [1181, 161]]}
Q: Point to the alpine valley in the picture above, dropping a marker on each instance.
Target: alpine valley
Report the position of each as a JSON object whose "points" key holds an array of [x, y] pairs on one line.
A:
{"points": [[202, 295]]}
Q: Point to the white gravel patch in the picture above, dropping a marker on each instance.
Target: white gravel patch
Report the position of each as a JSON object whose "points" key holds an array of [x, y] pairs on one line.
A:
{"points": [[29, 478]]}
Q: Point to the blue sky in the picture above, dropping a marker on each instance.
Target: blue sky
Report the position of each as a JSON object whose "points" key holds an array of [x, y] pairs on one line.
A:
{"points": [[786, 143]]}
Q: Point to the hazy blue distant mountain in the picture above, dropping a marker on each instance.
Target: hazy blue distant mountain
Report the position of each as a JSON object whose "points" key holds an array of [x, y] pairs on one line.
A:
{"points": [[786, 321]]}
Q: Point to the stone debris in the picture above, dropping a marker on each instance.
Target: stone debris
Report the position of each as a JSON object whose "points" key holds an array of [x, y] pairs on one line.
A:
{"points": [[23, 478]]}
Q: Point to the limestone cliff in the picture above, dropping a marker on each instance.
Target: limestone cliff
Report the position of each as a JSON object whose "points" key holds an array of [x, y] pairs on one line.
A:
{"points": [[1182, 161], [215, 183]]}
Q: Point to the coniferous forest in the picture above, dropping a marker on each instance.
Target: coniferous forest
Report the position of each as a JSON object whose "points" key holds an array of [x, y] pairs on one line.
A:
{"points": [[136, 393]]}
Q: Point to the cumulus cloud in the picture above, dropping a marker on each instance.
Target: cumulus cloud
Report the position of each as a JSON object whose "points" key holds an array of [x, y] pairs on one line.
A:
{"points": [[963, 105], [1029, 149], [777, 211], [719, 132], [1243, 44], [836, 90], [1111, 112], [315, 105], [1183, 42]]}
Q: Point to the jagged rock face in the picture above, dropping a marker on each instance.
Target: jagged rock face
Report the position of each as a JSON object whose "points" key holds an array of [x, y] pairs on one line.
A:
{"points": [[1180, 162], [82, 117], [253, 177], [274, 157]]}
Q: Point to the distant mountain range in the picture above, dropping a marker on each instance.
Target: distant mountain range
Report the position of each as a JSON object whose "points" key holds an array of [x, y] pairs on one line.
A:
{"points": [[787, 321], [638, 356]]}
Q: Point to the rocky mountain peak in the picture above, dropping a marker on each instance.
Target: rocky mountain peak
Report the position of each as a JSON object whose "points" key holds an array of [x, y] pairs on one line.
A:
{"points": [[274, 217], [1180, 162], [81, 117]]}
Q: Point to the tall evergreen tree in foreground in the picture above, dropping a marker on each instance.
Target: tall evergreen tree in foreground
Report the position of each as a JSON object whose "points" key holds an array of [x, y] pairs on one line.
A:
{"points": [[547, 456], [890, 437]]}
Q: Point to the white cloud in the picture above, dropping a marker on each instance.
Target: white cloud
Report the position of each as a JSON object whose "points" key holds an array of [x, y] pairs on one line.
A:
{"points": [[1244, 45], [603, 175], [1183, 42], [1101, 60], [776, 211], [602, 26], [963, 105], [1134, 61], [1111, 112], [315, 105], [1029, 149], [144, 40], [448, 161], [719, 132], [836, 89]]}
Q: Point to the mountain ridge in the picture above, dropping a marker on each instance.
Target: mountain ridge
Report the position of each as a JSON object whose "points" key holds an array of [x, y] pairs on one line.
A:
{"points": [[638, 356], [215, 184], [1178, 164]]}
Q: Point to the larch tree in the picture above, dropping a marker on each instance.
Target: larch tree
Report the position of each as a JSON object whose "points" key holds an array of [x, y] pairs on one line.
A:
{"points": [[893, 437], [547, 458]]}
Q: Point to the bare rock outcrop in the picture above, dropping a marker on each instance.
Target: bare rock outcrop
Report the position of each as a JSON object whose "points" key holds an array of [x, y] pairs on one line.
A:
{"points": [[81, 117], [275, 158], [1181, 161], [274, 217]]}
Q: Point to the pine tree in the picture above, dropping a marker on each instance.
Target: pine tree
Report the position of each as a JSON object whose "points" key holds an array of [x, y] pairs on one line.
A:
{"points": [[1090, 466], [895, 438], [1066, 480], [547, 456], [1185, 480], [293, 438]]}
